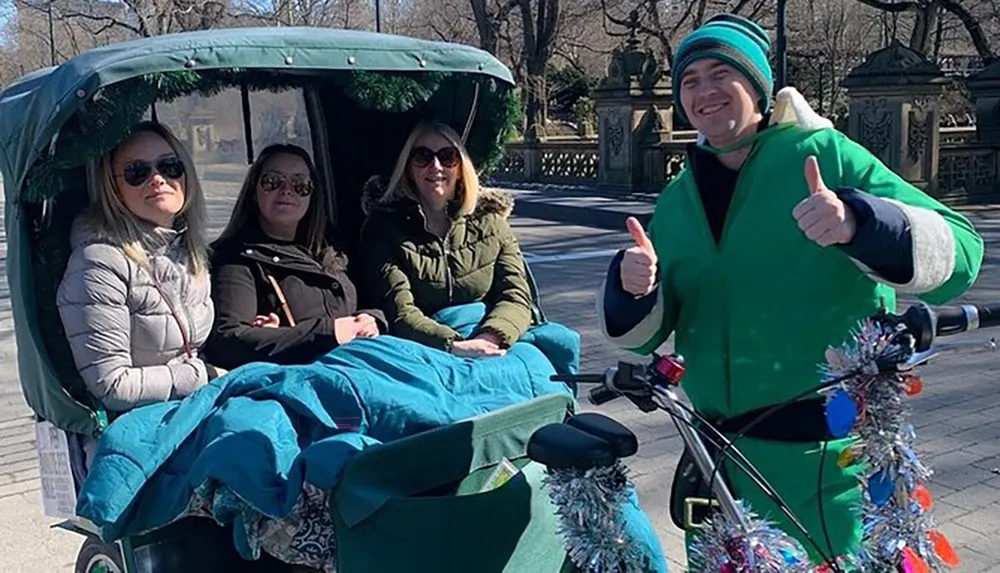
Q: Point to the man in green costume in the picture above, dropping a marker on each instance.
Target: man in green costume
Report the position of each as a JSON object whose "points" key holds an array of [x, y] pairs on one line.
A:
{"points": [[776, 238]]}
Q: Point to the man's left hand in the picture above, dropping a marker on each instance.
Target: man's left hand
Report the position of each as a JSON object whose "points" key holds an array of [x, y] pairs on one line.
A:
{"points": [[822, 216]]}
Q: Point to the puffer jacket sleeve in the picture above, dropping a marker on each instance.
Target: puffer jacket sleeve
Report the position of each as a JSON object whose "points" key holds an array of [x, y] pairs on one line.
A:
{"points": [[92, 300], [389, 284], [509, 312]]}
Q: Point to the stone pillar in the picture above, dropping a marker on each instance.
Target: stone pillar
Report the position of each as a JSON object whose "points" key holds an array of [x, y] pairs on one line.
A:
{"points": [[633, 101], [984, 90], [894, 111]]}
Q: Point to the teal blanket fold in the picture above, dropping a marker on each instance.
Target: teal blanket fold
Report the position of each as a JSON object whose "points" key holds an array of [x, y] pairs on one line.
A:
{"points": [[260, 448], [263, 430]]}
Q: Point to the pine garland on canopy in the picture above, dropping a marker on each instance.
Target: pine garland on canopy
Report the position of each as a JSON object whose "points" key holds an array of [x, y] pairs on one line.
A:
{"points": [[107, 118]]}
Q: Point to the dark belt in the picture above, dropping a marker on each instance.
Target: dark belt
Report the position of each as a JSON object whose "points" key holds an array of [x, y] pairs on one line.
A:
{"points": [[802, 421]]}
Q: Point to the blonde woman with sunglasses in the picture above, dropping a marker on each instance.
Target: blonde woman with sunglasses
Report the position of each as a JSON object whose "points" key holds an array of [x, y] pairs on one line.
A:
{"points": [[135, 298], [433, 239], [282, 293]]}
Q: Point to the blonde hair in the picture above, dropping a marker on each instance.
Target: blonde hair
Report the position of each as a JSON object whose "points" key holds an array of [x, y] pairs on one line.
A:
{"points": [[467, 188], [246, 211], [115, 222]]}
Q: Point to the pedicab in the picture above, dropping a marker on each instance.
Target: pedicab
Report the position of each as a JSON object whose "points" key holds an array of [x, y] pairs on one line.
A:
{"points": [[362, 94]]}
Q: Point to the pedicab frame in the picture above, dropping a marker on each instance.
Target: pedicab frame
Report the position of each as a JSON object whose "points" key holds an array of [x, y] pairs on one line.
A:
{"points": [[363, 93]]}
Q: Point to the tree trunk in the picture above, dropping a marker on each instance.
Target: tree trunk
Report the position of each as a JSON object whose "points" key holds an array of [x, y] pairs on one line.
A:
{"points": [[540, 32], [924, 25]]}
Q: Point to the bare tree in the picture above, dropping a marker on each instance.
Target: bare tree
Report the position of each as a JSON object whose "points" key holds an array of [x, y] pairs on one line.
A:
{"points": [[926, 21]]}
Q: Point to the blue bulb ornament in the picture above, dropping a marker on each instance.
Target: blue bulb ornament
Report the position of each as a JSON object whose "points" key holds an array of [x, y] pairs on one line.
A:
{"points": [[841, 413], [880, 487]]}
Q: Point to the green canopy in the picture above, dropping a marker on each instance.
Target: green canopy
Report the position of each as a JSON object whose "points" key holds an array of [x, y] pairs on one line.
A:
{"points": [[54, 120], [33, 109]]}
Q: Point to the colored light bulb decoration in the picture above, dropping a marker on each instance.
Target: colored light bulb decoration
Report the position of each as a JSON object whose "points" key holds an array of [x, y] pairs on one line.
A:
{"points": [[923, 497], [841, 414], [899, 533]]}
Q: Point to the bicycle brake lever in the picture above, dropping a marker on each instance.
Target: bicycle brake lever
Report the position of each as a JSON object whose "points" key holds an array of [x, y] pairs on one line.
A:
{"points": [[631, 381]]}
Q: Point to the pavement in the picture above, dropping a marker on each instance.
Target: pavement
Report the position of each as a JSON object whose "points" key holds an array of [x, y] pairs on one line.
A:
{"points": [[568, 236]]}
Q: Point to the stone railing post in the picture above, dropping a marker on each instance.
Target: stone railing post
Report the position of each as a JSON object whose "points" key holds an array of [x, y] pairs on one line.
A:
{"points": [[633, 101], [984, 90], [894, 111]]}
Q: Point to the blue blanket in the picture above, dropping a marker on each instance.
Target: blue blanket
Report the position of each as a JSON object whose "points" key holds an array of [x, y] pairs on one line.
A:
{"points": [[263, 430], [260, 447]]}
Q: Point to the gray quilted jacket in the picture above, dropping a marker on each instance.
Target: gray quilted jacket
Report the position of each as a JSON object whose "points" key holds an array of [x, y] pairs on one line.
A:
{"points": [[126, 342]]}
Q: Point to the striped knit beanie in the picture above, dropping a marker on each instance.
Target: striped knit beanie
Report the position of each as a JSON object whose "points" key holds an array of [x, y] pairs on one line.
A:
{"points": [[737, 41]]}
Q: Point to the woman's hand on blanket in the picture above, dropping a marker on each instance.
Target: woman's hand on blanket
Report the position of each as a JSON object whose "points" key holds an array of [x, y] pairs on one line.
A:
{"points": [[269, 321], [348, 328], [475, 348], [367, 325]]}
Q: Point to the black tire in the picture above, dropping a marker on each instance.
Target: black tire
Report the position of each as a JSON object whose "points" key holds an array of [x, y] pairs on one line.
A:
{"points": [[98, 557]]}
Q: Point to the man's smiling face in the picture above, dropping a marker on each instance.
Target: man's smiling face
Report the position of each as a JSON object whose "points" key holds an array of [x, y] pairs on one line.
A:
{"points": [[718, 100]]}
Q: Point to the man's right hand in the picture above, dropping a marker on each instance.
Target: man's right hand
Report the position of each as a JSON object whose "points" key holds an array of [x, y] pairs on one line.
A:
{"points": [[639, 264]]}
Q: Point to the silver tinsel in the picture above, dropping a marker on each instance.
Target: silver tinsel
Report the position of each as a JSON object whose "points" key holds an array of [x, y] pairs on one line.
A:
{"points": [[725, 547], [897, 527], [589, 505]]}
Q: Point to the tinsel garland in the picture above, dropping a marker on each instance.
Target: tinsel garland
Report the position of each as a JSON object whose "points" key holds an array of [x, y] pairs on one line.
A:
{"points": [[727, 547], [589, 506], [870, 406]]}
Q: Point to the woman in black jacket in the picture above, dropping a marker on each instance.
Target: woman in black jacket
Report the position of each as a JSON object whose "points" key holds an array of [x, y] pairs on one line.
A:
{"points": [[281, 291]]}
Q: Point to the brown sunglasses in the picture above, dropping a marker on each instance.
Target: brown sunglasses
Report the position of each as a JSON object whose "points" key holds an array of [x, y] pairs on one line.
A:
{"points": [[423, 156]]}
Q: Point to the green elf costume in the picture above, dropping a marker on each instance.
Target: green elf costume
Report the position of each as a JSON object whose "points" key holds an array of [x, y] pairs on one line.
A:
{"points": [[754, 303]]}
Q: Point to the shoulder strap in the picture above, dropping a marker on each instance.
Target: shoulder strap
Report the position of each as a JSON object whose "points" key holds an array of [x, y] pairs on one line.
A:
{"points": [[281, 294]]}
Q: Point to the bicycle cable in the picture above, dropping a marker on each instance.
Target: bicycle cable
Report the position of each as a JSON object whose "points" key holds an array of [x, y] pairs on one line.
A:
{"points": [[819, 492], [751, 472]]}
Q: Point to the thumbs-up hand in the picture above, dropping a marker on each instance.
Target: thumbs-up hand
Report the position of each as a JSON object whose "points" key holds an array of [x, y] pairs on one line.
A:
{"points": [[822, 216], [639, 264]]}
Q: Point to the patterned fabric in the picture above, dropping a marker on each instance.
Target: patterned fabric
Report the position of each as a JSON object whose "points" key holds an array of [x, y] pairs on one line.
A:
{"points": [[306, 537]]}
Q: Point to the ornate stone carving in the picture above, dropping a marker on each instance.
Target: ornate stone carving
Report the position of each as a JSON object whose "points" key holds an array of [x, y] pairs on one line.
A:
{"points": [[631, 64], [921, 112], [616, 132], [875, 127]]}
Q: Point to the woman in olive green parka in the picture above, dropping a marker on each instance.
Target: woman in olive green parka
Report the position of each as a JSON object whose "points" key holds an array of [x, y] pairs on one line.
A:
{"points": [[434, 239]]}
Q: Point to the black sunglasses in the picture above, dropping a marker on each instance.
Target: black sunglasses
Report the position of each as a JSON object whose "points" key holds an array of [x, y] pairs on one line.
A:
{"points": [[423, 156], [299, 184], [139, 171]]}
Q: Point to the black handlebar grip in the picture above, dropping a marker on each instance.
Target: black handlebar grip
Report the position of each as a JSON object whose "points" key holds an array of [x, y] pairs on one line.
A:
{"points": [[967, 317], [951, 320], [989, 315], [602, 395]]}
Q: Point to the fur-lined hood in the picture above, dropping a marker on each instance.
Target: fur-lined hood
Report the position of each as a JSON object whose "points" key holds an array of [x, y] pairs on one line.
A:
{"points": [[374, 197]]}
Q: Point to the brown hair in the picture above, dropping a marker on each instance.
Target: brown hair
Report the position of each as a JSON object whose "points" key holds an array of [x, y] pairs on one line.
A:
{"points": [[312, 227]]}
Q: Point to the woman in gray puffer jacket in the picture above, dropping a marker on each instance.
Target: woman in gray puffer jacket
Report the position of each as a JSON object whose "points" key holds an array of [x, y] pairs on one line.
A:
{"points": [[135, 299]]}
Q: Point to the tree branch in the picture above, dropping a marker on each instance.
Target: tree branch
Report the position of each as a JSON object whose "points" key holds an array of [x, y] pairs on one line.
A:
{"points": [[973, 27], [891, 7]]}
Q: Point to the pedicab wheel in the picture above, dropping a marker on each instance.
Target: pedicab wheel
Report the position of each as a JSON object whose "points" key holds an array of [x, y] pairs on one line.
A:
{"points": [[99, 557]]}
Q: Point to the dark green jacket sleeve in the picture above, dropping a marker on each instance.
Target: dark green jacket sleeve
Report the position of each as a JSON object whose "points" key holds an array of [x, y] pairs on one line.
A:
{"points": [[391, 287], [509, 309]]}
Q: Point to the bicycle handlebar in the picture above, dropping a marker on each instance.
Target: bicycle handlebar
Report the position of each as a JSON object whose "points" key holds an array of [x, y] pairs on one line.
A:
{"points": [[920, 321]]}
